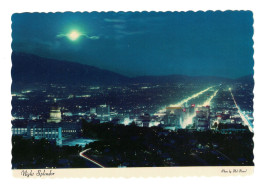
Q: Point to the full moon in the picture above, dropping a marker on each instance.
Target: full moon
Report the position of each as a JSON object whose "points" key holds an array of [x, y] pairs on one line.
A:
{"points": [[74, 35]]}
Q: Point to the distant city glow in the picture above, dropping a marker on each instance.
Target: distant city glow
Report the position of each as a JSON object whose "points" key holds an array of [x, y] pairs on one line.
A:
{"points": [[26, 91], [191, 97], [83, 96], [189, 119], [208, 101], [161, 111], [94, 88]]}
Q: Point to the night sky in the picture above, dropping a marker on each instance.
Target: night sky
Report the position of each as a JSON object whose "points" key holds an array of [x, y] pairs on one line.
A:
{"points": [[136, 44]]}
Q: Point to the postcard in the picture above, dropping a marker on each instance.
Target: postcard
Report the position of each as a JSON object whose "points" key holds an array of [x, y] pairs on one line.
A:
{"points": [[98, 94]]}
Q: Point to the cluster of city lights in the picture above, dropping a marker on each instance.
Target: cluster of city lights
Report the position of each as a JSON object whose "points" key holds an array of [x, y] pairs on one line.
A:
{"points": [[243, 117], [189, 119], [163, 110], [208, 101]]}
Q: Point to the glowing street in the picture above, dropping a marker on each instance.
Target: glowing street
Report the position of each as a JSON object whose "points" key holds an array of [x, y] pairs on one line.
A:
{"points": [[243, 117], [160, 112]]}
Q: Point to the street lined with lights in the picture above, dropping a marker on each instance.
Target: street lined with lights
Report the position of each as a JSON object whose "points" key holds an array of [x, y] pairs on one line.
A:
{"points": [[188, 121], [160, 112], [208, 101], [191, 97], [242, 116]]}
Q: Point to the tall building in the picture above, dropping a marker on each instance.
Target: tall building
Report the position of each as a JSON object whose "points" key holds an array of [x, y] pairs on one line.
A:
{"points": [[192, 109], [93, 110], [202, 119], [55, 114], [180, 113], [103, 110], [172, 120], [146, 118]]}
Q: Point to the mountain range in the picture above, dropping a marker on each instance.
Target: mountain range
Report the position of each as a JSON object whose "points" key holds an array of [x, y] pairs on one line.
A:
{"points": [[30, 69]]}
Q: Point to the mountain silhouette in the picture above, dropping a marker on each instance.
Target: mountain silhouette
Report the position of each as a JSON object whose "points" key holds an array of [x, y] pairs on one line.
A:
{"points": [[29, 70]]}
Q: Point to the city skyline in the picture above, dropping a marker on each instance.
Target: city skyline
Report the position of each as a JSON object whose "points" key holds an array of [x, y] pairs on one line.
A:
{"points": [[177, 89]]}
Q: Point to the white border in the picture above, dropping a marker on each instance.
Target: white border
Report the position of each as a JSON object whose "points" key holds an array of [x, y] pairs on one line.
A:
{"points": [[12, 6]]}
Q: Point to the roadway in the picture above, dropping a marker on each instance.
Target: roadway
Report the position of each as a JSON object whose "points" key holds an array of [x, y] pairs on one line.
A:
{"points": [[242, 116], [81, 154]]}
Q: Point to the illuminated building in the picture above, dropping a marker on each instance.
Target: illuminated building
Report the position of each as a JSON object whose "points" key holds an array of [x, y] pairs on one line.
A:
{"points": [[19, 128], [172, 121], [103, 113], [103, 110], [38, 131], [145, 118], [192, 109], [202, 118], [55, 114], [203, 112], [172, 110], [181, 115], [93, 110], [50, 131], [47, 131], [146, 123]]}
